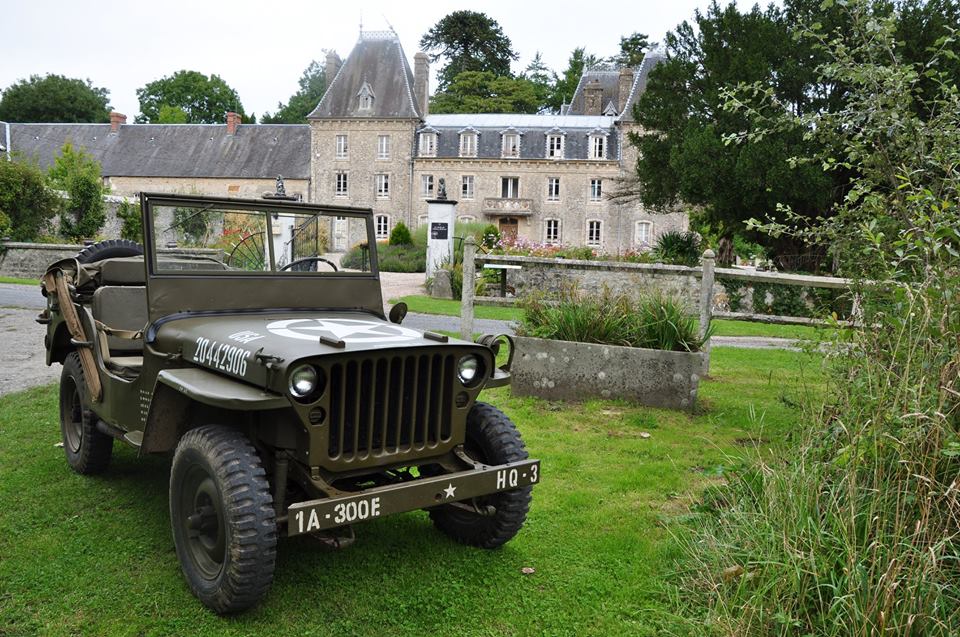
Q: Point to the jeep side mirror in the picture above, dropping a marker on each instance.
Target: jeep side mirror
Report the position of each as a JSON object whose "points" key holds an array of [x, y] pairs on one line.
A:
{"points": [[398, 312]]}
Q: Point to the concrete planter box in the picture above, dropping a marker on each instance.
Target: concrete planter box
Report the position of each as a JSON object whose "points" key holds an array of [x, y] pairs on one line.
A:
{"points": [[564, 370]]}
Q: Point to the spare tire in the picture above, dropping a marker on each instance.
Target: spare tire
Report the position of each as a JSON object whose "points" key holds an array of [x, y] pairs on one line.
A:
{"points": [[109, 249]]}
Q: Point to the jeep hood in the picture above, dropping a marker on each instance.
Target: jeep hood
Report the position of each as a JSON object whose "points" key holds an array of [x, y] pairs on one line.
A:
{"points": [[251, 345]]}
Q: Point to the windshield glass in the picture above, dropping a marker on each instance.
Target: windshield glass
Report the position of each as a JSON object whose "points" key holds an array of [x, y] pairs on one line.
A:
{"points": [[211, 238]]}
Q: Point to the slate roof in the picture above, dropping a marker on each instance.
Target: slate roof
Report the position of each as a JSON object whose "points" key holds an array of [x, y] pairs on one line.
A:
{"points": [[609, 82], [533, 130], [175, 150], [377, 60], [640, 77]]}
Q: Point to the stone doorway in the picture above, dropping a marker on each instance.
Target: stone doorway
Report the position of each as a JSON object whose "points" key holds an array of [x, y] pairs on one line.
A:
{"points": [[508, 227]]}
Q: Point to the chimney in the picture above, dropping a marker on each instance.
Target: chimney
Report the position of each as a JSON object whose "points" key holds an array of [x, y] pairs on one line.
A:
{"points": [[592, 98], [626, 83], [116, 121], [233, 122], [332, 67], [421, 82]]}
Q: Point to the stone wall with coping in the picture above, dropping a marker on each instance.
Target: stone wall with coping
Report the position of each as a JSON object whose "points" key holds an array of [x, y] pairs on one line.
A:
{"points": [[30, 260], [549, 276]]}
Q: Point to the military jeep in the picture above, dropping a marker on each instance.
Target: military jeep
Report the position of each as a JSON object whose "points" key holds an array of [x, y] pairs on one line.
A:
{"points": [[290, 403]]}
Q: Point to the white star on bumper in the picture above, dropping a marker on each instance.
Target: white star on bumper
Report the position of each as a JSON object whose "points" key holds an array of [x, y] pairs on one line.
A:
{"points": [[450, 490]]}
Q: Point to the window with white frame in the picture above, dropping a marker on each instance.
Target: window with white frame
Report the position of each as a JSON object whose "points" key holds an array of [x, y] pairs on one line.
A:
{"points": [[511, 144], [598, 147], [551, 231], [554, 146], [510, 187], [382, 226], [596, 189], [467, 186], [594, 233], [426, 185], [468, 144], [382, 181], [341, 146], [383, 147], [428, 144], [342, 185], [643, 233], [553, 189]]}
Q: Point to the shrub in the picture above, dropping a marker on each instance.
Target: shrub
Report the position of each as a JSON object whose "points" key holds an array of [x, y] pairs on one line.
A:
{"points": [[490, 237], [78, 174], [678, 248], [26, 200], [654, 321], [131, 221], [4, 225], [400, 235], [403, 258]]}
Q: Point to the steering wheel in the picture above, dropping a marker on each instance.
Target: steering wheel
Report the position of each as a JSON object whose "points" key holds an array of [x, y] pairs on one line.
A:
{"points": [[300, 264]]}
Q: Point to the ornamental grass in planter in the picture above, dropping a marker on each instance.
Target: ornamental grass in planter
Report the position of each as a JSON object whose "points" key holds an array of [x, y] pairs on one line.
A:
{"points": [[609, 346]]}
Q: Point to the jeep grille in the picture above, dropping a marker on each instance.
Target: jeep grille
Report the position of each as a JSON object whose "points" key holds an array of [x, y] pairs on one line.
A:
{"points": [[390, 406]]}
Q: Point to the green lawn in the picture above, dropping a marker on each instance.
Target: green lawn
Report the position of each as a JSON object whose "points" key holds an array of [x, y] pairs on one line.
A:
{"points": [[723, 327], [94, 556], [19, 281]]}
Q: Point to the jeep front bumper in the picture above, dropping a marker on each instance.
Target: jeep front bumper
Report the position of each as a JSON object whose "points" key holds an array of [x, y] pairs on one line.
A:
{"points": [[378, 502]]}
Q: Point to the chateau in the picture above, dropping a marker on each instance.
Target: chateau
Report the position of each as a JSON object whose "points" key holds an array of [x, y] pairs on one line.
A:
{"points": [[372, 142]]}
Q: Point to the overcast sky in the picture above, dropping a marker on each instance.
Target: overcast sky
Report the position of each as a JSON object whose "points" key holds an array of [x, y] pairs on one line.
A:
{"points": [[261, 48]]}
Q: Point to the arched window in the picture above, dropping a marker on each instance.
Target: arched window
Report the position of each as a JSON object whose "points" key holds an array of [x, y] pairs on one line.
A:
{"points": [[643, 233]]}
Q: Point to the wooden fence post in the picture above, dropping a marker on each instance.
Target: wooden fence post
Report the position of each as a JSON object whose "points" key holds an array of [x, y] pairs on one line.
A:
{"points": [[706, 302], [469, 288]]}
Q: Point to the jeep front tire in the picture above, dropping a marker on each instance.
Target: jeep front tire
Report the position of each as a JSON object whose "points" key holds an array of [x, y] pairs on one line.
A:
{"points": [[492, 439], [224, 525]]}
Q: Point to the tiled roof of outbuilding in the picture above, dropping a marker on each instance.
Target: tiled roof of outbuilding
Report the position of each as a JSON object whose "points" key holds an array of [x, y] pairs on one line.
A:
{"points": [[175, 150]]}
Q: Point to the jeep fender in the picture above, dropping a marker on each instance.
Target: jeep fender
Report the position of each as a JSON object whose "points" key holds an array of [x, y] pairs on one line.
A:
{"points": [[179, 392]]}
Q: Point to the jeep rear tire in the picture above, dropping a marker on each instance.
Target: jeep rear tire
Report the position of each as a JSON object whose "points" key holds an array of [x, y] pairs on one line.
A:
{"points": [[87, 449], [221, 511], [492, 439], [109, 249]]}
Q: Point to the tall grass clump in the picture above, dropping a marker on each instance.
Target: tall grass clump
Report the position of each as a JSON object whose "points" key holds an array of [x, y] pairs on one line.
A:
{"points": [[654, 321], [856, 529]]}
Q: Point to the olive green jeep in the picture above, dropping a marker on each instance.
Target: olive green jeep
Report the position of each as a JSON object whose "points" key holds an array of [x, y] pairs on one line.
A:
{"points": [[290, 402]]}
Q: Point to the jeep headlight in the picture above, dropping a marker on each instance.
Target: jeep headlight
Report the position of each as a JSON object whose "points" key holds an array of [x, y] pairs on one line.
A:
{"points": [[468, 369], [303, 381]]}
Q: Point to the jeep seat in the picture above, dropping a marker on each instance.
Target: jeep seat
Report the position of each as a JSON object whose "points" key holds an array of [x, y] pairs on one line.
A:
{"points": [[121, 308]]}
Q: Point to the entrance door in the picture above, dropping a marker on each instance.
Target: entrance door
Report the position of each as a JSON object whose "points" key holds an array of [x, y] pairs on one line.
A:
{"points": [[508, 227]]}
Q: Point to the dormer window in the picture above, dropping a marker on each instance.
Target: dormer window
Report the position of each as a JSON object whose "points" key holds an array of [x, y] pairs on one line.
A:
{"points": [[610, 110], [598, 146], [365, 97], [468, 144], [428, 144], [511, 144], [555, 145]]}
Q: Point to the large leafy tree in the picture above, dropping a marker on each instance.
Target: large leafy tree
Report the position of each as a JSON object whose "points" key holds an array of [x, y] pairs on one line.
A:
{"points": [[203, 99], [484, 92], [313, 83], [684, 154], [468, 41], [78, 174], [54, 98], [539, 75]]}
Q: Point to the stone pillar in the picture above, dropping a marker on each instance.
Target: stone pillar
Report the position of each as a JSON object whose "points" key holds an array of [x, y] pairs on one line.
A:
{"points": [[421, 82], [441, 213], [706, 304], [469, 288]]}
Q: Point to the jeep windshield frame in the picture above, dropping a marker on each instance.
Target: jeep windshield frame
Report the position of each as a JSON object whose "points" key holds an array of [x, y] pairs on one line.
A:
{"points": [[199, 279]]}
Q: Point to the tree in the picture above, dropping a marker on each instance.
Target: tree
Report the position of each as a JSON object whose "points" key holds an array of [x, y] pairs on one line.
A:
{"points": [[566, 84], [632, 49], [539, 75], [684, 156], [25, 200], [313, 84], [78, 174], [483, 92], [54, 98], [204, 100], [469, 41], [171, 115]]}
